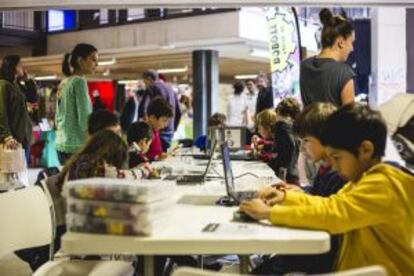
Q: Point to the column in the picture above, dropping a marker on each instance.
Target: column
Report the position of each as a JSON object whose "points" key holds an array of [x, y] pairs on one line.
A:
{"points": [[389, 55], [205, 88]]}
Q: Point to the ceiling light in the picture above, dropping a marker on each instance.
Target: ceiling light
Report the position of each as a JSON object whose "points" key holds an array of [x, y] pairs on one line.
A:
{"points": [[172, 70], [245, 77], [107, 62], [43, 78], [260, 53], [126, 82]]}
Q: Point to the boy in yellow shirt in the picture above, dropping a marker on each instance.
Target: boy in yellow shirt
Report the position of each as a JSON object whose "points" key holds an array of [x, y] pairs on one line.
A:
{"points": [[374, 210]]}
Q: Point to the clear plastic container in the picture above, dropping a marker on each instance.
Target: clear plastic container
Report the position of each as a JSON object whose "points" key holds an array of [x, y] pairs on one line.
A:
{"points": [[116, 210], [85, 224], [118, 190]]}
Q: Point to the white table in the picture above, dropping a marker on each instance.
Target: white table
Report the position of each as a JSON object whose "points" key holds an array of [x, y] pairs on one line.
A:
{"points": [[178, 231]]}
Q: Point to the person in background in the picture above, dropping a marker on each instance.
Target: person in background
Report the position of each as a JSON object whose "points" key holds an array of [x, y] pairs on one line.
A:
{"points": [[139, 137], [237, 106], [98, 104], [130, 112], [216, 120], [103, 119], [158, 88], [284, 153], [251, 96], [373, 233], [326, 77], [104, 155], [309, 126], [74, 104], [265, 96], [159, 115], [15, 122], [251, 100]]}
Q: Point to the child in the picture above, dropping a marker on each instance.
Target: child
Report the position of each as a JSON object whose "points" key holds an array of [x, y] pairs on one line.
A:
{"points": [[216, 120], [103, 119], [374, 210], [139, 137], [104, 155], [309, 125], [284, 152], [159, 113]]}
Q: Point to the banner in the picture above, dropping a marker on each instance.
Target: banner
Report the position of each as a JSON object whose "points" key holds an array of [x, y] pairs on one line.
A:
{"points": [[284, 48]]}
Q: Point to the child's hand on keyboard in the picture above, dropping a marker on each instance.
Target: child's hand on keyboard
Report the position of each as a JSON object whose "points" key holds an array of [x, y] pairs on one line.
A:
{"points": [[288, 187], [272, 195], [255, 208]]}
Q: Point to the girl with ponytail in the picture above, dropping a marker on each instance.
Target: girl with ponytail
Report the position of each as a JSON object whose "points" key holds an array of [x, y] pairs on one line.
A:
{"points": [[74, 105], [326, 77]]}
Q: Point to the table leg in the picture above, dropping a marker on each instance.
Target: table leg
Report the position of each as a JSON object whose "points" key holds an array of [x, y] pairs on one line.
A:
{"points": [[149, 265], [244, 264]]}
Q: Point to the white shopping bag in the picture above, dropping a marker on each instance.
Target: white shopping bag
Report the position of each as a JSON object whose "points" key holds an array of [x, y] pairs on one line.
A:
{"points": [[13, 167]]}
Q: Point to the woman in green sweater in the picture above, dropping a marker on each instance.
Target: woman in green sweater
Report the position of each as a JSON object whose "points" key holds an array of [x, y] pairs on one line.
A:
{"points": [[15, 123], [74, 105]]}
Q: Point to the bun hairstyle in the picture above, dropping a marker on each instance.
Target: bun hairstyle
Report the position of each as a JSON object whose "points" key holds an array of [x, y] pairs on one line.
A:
{"points": [[71, 61], [334, 26]]}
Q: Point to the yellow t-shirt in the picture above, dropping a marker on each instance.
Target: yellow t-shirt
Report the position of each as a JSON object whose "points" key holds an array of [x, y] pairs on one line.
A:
{"points": [[375, 215]]}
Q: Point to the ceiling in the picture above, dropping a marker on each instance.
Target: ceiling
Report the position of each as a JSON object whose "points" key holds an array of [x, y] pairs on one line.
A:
{"points": [[131, 66], [82, 4]]}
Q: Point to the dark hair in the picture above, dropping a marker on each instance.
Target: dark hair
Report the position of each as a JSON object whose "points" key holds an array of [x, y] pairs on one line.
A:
{"points": [[138, 131], [185, 100], [150, 74], [217, 119], [288, 107], [8, 67], [238, 87], [312, 120], [101, 119], [352, 124], [159, 107], [262, 76], [334, 26], [81, 50], [103, 147]]}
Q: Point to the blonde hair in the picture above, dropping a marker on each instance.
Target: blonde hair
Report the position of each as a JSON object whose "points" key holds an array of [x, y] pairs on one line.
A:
{"points": [[267, 119]]}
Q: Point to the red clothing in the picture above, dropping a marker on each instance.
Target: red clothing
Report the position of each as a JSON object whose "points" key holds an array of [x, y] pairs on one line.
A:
{"points": [[155, 150]]}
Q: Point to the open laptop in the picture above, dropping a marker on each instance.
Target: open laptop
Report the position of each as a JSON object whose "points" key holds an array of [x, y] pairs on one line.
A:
{"points": [[236, 196], [194, 178]]}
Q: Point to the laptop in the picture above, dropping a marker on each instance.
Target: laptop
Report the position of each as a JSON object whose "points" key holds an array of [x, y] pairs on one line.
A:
{"points": [[236, 196], [194, 178]]}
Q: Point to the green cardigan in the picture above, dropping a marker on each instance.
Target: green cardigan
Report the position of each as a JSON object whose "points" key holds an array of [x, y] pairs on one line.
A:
{"points": [[14, 117], [73, 109]]}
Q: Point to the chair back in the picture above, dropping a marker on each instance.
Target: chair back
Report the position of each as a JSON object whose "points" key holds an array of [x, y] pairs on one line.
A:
{"points": [[25, 219]]}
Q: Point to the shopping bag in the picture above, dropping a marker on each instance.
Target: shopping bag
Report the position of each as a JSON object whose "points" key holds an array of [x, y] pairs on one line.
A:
{"points": [[12, 161]]}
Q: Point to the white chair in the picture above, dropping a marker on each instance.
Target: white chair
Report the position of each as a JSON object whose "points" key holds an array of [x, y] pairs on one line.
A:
{"points": [[365, 271], [27, 222]]}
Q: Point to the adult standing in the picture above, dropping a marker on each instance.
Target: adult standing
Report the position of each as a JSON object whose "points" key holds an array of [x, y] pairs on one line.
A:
{"points": [[236, 106], [265, 96], [74, 105], [156, 87], [15, 122], [326, 77]]}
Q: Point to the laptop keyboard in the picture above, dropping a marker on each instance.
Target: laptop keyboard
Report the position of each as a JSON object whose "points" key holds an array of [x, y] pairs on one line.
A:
{"points": [[246, 195]]}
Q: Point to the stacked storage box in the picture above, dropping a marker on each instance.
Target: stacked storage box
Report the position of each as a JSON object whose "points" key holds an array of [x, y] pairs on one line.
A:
{"points": [[114, 206]]}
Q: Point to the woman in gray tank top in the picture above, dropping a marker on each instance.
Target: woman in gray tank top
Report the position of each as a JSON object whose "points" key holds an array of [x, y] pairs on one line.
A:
{"points": [[326, 77]]}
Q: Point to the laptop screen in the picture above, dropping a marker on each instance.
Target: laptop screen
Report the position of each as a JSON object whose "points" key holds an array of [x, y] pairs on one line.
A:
{"points": [[235, 137], [228, 172], [210, 160]]}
